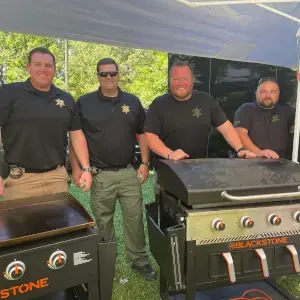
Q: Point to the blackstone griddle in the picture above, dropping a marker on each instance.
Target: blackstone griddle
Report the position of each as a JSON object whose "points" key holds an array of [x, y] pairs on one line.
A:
{"points": [[223, 222], [49, 249]]}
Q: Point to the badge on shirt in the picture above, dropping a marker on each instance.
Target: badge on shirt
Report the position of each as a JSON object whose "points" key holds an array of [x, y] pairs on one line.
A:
{"points": [[197, 112], [125, 109], [237, 123], [275, 119], [60, 103]]}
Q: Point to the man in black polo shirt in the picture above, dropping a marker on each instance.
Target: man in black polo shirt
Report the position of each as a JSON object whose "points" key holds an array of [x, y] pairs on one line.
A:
{"points": [[264, 125], [111, 119], [35, 117], [178, 123]]}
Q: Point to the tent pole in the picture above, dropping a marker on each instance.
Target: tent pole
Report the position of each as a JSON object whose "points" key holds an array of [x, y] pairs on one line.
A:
{"points": [[66, 65], [297, 114]]}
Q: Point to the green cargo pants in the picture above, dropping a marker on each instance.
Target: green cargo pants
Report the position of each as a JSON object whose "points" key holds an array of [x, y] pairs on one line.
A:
{"points": [[107, 187]]}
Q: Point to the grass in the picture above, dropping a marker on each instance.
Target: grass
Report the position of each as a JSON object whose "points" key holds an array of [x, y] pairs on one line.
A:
{"points": [[137, 288]]}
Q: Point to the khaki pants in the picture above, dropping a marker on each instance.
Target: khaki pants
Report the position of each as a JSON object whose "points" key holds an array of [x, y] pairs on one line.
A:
{"points": [[107, 187], [36, 184]]}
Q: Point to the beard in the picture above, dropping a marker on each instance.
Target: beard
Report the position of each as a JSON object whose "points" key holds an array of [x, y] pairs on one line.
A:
{"points": [[266, 103]]}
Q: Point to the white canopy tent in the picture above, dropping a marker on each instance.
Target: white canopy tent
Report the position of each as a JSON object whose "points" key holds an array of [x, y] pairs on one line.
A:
{"points": [[262, 31]]}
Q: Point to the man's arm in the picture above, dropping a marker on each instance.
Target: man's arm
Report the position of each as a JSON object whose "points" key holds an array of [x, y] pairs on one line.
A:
{"points": [[144, 148], [152, 129], [247, 142], [143, 170], [157, 146], [233, 139], [230, 135], [80, 147], [79, 153], [7, 98]]}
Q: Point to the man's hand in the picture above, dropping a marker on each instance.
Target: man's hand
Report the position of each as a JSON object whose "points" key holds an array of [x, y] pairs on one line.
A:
{"points": [[142, 173], [178, 155], [85, 181], [1, 187], [246, 154], [268, 153], [76, 175]]}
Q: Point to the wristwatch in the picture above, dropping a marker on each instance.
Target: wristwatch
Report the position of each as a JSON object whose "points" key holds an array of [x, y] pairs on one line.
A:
{"points": [[145, 163], [240, 149], [87, 169]]}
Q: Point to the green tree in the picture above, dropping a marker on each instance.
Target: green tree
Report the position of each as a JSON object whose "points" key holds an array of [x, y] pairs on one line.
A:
{"points": [[14, 49], [142, 72]]}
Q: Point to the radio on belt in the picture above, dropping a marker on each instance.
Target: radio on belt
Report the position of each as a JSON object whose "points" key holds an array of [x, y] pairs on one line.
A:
{"points": [[219, 222]]}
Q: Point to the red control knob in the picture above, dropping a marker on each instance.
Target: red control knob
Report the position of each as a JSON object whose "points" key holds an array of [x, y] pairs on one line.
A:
{"points": [[274, 220], [218, 224], [247, 222]]}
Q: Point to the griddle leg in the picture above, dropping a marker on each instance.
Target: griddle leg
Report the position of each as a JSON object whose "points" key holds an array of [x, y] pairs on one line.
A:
{"points": [[190, 270], [163, 287], [107, 253], [93, 290]]}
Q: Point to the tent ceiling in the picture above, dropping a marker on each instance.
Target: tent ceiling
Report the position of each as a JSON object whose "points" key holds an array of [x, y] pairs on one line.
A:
{"points": [[244, 32]]}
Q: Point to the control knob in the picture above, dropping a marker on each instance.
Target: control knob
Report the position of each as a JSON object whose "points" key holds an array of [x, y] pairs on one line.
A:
{"points": [[15, 270], [296, 216], [57, 260], [247, 222], [218, 224], [274, 219]]}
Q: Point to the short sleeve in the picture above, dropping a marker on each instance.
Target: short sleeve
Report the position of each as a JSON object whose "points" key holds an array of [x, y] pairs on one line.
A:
{"points": [[153, 123], [7, 96], [218, 116], [75, 123], [290, 116], [140, 118], [242, 117]]}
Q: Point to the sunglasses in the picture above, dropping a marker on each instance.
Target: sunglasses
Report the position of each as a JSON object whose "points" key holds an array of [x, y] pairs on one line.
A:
{"points": [[105, 74]]}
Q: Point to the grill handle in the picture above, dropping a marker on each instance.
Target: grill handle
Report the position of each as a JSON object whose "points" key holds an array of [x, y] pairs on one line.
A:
{"points": [[227, 196]]}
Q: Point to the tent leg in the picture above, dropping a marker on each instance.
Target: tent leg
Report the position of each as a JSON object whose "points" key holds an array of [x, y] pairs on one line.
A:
{"points": [[297, 115]]}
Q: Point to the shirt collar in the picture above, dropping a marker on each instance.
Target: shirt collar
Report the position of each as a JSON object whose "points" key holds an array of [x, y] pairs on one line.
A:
{"points": [[54, 91], [266, 110], [112, 99]]}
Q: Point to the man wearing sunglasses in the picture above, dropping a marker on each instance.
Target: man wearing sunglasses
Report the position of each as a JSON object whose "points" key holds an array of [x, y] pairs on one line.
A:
{"points": [[264, 125], [111, 118]]}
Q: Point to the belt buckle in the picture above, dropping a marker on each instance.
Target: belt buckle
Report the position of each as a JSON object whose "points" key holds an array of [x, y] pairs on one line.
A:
{"points": [[16, 172]]}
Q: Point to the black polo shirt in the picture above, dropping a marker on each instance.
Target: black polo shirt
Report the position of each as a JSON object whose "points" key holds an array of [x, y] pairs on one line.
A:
{"points": [[34, 124], [110, 125], [185, 124], [267, 128]]}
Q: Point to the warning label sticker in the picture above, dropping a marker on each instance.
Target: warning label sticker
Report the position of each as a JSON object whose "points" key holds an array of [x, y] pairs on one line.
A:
{"points": [[81, 257]]}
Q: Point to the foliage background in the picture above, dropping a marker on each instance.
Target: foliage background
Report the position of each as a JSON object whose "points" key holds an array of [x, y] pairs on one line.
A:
{"points": [[142, 72]]}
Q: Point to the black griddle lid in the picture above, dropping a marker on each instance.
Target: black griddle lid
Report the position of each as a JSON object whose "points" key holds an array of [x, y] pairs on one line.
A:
{"points": [[211, 175]]}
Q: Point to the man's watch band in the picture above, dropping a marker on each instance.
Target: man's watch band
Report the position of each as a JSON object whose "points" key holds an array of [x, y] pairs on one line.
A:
{"points": [[87, 169], [145, 163], [240, 149]]}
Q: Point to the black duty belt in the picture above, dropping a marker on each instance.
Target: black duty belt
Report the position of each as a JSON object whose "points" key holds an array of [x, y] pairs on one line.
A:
{"points": [[18, 171], [96, 170]]}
